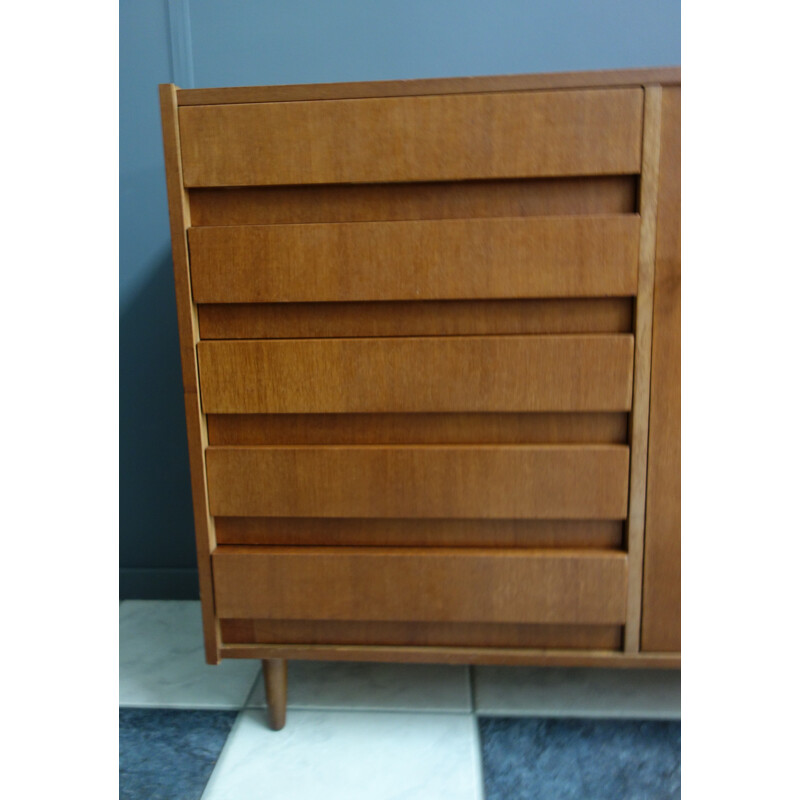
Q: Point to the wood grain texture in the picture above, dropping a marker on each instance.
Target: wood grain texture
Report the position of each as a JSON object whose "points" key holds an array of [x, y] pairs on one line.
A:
{"points": [[188, 335], [613, 194], [526, 206], [459, 634], [179, 222], [484, 482], [455, 374], [641, 375], [321, 429], [430, 318], [423, 138], [661, 613], [592, 256], [205, 534], [431, 585], [429, 654], [331, 531], [432, 86]]}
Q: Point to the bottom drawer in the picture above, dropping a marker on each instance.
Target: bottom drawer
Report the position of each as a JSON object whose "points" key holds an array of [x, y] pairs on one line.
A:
{"points": [[570, 587]]}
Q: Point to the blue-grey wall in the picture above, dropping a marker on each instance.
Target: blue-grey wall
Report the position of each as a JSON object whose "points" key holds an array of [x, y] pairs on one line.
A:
{"points": [[245, 42]]}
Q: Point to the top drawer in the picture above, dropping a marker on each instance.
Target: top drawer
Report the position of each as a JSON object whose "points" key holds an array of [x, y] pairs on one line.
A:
{"points": [[428, 138]]}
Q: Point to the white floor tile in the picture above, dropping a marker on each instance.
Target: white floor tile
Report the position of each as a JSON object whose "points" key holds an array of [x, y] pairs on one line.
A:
{"points": [[557, 692], [372, 686], [349, 755], [162, 661]]}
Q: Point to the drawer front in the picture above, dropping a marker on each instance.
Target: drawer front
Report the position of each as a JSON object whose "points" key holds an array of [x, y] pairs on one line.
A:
{"points": [[405, 374], [446, 137], [580, 256], [506, 482], [377, 584]]}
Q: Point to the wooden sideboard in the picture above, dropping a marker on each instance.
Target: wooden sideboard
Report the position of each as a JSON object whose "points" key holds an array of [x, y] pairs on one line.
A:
{"points": [[430, 340]]}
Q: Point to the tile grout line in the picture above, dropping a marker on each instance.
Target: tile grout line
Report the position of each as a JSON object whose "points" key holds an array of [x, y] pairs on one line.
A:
{"points": [[259, 677], [473, 694], [444, 712], [244, 708], [367, 709], [476, 734], [478, 755], [234, 728]]}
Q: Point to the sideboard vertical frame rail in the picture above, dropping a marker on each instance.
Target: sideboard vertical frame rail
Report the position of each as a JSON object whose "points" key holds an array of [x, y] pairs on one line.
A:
{"points": [[648, 197], [188, 331]]}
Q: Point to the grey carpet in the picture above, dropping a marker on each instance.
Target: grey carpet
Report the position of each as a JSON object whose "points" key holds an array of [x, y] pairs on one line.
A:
{"points": [[169, 754], [575, 759]]}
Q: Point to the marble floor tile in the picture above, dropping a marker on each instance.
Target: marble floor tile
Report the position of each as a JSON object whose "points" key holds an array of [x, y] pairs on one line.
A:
{"points": [[349, 755], [576, 692], [162, 662], [373, 686]]}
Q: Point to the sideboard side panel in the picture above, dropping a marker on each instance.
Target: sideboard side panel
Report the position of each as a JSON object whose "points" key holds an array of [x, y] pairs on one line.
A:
{"points": [[196, 428], [661, 606], [648, 200]]}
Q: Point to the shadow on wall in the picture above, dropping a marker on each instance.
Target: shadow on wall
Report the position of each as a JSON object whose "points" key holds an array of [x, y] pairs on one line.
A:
{"points": [[157, 552]]}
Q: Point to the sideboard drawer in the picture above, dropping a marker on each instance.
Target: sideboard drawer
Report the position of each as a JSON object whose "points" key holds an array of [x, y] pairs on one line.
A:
{"points": [[422, 138], [410, 374], [468, 482], [550, 256], [436, 585]]}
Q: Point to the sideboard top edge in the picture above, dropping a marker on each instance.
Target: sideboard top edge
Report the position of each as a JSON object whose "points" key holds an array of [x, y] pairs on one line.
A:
{"points": [[608, 79]]}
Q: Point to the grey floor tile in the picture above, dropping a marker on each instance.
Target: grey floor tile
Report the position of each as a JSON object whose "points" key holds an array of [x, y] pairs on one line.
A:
{"points": [[578, 692], [373, 686]]}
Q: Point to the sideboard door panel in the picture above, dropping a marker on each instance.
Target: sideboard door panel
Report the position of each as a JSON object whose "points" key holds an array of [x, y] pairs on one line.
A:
{"points": [[661, 611]]}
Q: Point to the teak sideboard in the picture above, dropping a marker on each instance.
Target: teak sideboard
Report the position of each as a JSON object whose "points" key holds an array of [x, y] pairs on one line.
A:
{"points": [[430, 341]]}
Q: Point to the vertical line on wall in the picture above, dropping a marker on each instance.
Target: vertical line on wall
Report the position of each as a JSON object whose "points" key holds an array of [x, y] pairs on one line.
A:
{"points": [[180, 40]]}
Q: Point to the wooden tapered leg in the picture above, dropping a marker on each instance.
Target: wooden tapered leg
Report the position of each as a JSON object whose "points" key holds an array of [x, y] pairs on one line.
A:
{"points": [[275, 682]]}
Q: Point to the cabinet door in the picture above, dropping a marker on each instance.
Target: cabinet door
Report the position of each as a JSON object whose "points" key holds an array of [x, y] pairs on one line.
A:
{"points": [[661, 602]]}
